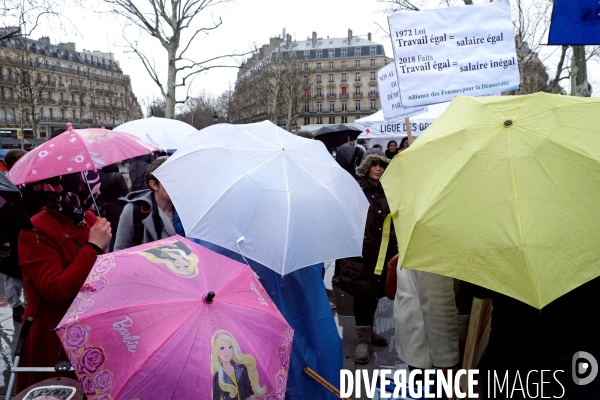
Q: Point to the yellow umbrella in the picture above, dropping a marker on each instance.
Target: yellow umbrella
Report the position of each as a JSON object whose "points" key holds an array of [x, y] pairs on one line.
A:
{"points": [[503, 192]]}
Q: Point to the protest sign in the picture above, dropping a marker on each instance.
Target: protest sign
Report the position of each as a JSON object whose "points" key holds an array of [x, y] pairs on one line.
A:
{"points": [[575, 22], [389, 96], [467, 50]]}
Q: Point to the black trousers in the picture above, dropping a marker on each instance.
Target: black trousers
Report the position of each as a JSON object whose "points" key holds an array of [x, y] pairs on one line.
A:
{"points": [[364, 309]]}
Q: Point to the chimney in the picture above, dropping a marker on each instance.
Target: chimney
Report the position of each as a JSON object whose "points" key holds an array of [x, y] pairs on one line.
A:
{"points": [[44, 40], [369, 36], [288, 40], [349, 35], [314, 39]]}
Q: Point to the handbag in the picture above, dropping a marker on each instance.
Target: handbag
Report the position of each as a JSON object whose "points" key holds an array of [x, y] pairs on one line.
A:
{"points": [[357, 278], [390, 283]]}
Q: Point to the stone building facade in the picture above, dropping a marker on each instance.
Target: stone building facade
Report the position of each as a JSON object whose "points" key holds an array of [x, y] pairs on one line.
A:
{"points": [[44, 86], [338, 78]]}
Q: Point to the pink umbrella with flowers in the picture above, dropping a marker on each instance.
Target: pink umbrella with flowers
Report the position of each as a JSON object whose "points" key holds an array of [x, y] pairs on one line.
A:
{"points": [[77, 150], [174, 320]]}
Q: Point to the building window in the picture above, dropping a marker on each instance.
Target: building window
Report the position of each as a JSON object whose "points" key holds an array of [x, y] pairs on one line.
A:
{"points": [[306, 66], [318, 66], [331, 106], [372, 76], [319, 120], [372, 62], [357, 77], [331, 53], [306, 121], [305, 79], [344, 52], [319, 53], [372, 90], [51, 111], [331, 92], [373, 50], [319, 94], [62, 114], [330, 77], [319, 107], [74, 114], [41, 112], [357, 51], [373, 105], [318, 78], [357, 105], [13, 115], [344, 91], [344, 119], [332, 120], [4, 114], [344, 106], [357, 91], [344, 77], [331, 65], [343, 64], [306, 107], [357, 63], [306, 54]]}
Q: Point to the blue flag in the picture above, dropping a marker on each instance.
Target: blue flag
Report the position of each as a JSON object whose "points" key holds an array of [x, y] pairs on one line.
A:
{"points": [[575, 22], [300, 296]]}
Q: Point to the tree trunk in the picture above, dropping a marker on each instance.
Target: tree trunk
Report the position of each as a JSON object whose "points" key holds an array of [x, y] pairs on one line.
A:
{"points": [[170, 100], [579, 83]]}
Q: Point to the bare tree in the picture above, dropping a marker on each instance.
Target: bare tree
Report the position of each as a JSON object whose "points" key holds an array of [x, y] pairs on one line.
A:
{"points": [[31, 75], [22, 17], [167, 20]]}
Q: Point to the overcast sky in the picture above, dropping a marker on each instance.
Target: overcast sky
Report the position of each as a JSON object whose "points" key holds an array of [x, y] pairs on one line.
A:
{"points": [[245, 23]]}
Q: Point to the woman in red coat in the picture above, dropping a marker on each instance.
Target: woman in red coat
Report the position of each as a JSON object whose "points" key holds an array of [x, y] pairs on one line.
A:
{"points": [[56, 258]]}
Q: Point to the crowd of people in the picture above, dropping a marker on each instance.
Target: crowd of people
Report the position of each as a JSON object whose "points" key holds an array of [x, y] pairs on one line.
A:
{"points": [[52, 261]]}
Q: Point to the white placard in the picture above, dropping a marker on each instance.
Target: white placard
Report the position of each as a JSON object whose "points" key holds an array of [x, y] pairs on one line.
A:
{"points": [[466, 50], [392, 130], [389, 96]]}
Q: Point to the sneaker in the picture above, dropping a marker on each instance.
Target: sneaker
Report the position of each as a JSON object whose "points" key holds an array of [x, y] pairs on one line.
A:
{"points": [[333, 306], [18, 313]]}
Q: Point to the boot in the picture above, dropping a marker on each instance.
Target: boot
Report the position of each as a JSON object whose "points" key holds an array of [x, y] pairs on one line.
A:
{"points": [[377, 339], [361, 355]]}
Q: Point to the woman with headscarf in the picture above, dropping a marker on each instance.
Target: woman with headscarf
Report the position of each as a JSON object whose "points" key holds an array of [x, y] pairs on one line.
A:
{"points": [[56, 257]]}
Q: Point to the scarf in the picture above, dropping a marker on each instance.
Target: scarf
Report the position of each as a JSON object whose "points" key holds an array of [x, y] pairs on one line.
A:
{"points": [[70, 194]]}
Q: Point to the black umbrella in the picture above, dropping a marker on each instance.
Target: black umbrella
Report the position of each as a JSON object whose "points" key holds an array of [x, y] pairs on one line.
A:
{"points": [[336, 135], [12, 211]]}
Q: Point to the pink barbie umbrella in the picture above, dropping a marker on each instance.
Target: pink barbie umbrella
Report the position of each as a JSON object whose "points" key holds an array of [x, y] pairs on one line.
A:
{"points": [[174, 320], [77, 150]]}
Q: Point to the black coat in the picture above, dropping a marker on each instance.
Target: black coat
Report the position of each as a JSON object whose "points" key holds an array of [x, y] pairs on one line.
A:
{"points": [[357, 275], [524, 338], [112, 187]]}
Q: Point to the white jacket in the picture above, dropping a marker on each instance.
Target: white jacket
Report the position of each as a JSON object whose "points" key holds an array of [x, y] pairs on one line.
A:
{"points": [[426, 319]]}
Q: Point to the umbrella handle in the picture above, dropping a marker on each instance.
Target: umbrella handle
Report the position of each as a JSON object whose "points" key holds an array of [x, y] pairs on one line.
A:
{"points": [[93, 198], [323, 382]]}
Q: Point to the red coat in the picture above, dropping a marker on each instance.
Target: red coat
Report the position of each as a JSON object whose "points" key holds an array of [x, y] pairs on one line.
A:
{"points": [[55, 261]]}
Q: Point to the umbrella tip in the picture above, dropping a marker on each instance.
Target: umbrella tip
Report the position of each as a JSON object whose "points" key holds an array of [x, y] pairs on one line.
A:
{"points": [[508, 123], [69, 126], [209, 297]]}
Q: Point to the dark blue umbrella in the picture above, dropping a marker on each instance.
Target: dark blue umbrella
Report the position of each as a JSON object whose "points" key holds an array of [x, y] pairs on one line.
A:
{"points": [[336, 135], [12, 211]]}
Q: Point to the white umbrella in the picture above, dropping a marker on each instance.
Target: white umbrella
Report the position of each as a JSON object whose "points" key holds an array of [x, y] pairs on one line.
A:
{"points": [[163, 133], [274, 197]]}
